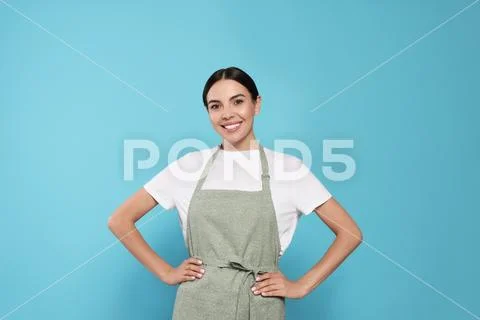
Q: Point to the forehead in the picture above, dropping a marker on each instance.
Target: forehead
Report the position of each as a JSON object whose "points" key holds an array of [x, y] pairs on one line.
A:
{"points": [[225, 88]]}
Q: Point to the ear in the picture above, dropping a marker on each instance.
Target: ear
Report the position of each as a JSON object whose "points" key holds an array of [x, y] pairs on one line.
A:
{"points": [[258, 104]]}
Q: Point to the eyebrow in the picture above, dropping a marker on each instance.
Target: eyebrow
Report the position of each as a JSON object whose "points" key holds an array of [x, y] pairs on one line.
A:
{"points": [[233, 97]]}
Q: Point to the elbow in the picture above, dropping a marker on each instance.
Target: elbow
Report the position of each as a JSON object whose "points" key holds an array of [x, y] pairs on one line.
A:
{"points": [[118, 223], [353, 236], [113, 222], [358, 235]]}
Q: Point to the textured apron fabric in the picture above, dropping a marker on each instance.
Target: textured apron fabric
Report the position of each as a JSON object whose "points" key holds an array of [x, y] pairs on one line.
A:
{"points": [[235, 234]]}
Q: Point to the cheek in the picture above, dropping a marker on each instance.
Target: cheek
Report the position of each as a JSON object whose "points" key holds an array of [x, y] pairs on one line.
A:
{"points": [[247, 113], [213, 118]]}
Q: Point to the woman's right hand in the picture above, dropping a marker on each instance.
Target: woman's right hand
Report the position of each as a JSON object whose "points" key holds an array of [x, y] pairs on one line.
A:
{"points": [[189, 270]]}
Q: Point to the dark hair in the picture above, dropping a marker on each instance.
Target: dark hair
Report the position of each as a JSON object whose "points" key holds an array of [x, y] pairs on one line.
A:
{"points": [[230, 73]]}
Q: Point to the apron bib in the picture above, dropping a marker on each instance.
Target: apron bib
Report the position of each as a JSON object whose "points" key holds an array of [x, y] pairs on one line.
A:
{"points": [[235, 234]]}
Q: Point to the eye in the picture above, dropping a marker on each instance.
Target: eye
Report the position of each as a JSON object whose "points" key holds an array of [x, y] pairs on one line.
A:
{"points": [[238, 101], [213, 106]]}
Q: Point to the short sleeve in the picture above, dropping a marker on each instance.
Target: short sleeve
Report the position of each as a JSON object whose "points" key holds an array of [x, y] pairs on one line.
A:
{"points": [[162, 187], [308, 192]]}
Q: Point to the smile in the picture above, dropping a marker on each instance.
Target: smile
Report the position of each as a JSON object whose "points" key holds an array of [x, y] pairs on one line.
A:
{"points": [[232, 127]]}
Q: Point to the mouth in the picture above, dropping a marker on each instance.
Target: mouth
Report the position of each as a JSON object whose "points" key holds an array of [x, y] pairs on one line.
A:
{"points": [[232, 127]]}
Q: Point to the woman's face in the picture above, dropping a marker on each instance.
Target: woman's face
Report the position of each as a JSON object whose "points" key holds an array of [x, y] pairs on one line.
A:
{"points": [[231, 111]]}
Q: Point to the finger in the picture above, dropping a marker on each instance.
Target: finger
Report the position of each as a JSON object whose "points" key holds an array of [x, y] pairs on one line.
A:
{"points": [[263, 276], [195, 268], [193, 273], [188, 278], [274, 293], [268, 275], [194, 261], [273, 286], [263, 283]]}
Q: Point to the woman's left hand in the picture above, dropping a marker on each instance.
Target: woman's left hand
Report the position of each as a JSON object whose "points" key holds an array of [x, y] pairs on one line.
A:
{"points": [[276, 284]]}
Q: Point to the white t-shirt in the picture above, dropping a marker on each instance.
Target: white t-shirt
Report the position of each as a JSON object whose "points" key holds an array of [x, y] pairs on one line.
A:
{"points": [[295, 190]]}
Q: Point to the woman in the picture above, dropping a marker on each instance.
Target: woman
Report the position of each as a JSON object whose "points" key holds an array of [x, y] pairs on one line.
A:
{"points": [[235, 229]]}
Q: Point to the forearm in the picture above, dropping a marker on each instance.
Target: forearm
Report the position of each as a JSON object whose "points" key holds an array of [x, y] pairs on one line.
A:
{"points": [[131, 238], [338, 251]]}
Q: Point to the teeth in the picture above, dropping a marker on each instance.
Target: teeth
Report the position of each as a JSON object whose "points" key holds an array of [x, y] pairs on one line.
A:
{"points": [[232, 126]]}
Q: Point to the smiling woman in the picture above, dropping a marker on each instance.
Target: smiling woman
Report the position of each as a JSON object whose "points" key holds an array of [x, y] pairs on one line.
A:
{"points": [[231, 98], [236, 225]]}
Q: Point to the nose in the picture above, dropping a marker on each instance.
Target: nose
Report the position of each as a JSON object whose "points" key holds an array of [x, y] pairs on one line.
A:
{"points": [[227, 115]]}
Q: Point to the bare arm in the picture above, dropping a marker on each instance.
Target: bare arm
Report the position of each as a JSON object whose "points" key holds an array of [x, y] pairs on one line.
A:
{"points": [[348, 237], [122, 224]]}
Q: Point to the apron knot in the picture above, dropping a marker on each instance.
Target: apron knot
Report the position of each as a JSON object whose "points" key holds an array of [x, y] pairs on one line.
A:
{"points": [[248, 269]]}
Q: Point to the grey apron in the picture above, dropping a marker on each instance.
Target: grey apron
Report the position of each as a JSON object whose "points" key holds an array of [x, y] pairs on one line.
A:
{"points": [[235, 234]]}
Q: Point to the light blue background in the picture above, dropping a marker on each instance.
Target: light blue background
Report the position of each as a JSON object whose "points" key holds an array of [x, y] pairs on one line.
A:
{"points": [[413, 121]]}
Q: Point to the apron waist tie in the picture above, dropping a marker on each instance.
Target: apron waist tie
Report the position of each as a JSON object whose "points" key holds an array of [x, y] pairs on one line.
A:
{"points": [[239, 264]]}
